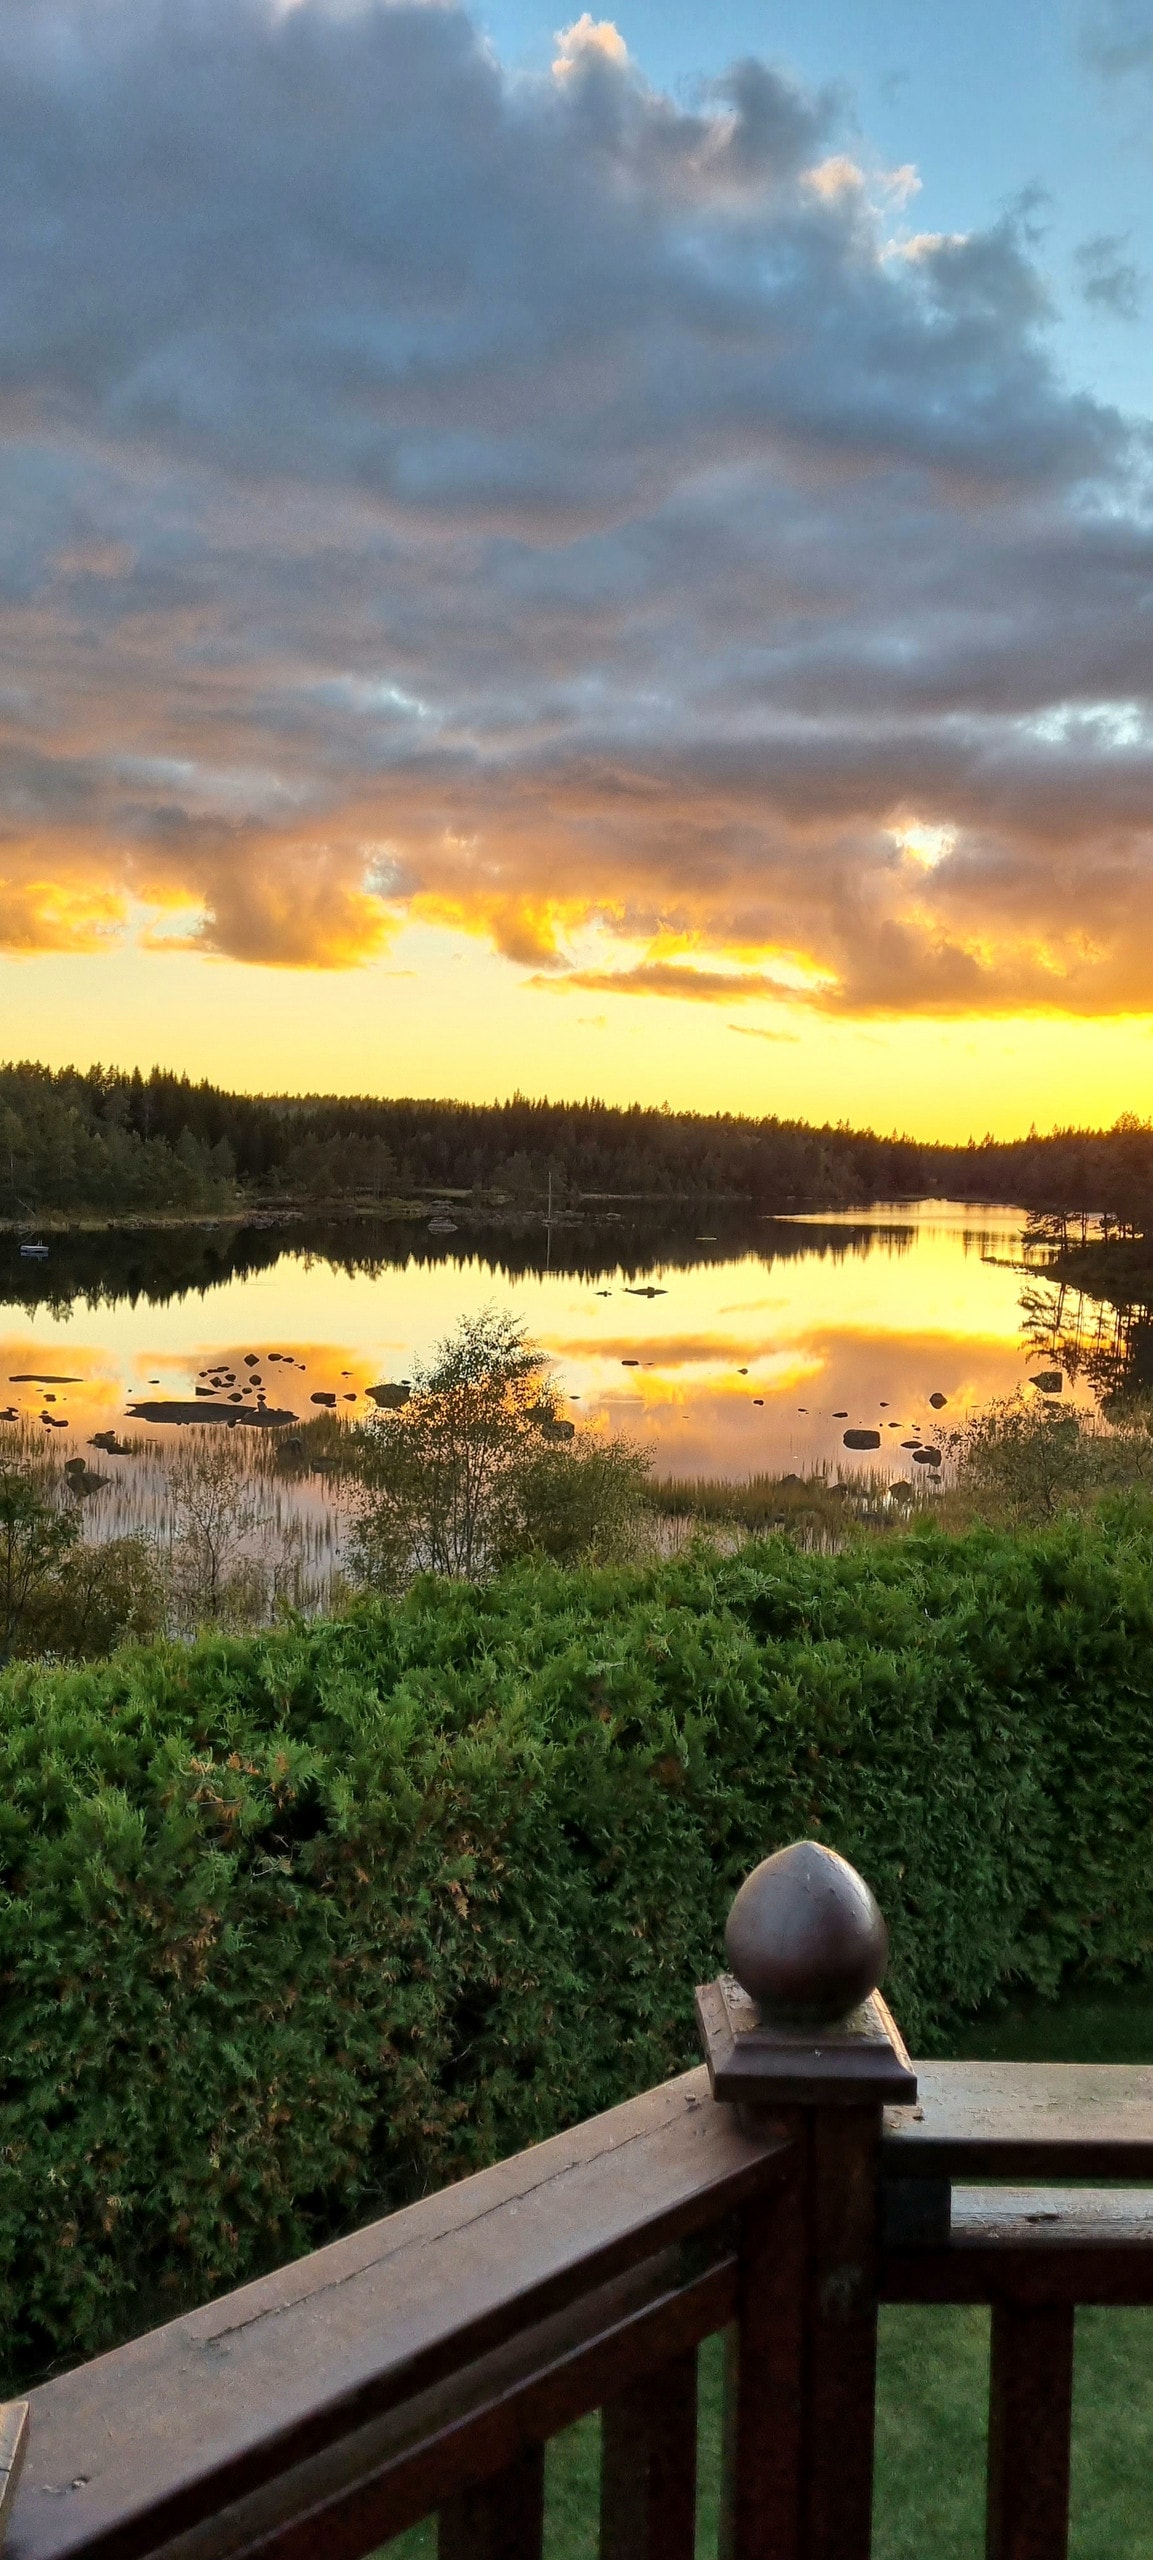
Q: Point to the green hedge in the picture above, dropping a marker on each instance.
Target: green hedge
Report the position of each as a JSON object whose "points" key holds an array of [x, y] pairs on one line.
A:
{"points": [[296, 1927]]}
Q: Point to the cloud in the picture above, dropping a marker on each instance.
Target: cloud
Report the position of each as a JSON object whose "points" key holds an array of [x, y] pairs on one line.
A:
{"points": [[1108, 280], [579, 44], [1119, 36], [667, 978], [537, 505], [57, 915]]}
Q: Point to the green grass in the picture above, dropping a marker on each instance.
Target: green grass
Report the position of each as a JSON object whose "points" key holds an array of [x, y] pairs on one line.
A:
{"points": [[933, 2374]]}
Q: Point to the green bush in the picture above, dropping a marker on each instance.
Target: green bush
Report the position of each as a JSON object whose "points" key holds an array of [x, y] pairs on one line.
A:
{"points": [[295, 1927], [478, 1465]]}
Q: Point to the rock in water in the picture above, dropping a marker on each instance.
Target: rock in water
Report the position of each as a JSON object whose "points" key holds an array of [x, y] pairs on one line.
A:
{"points": [[1048, 1381], [926, 1457], [861, 1439], [388, 1396], [937, 1401]]}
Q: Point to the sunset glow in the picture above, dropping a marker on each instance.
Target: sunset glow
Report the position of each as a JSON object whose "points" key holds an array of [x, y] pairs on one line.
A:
{"points": [[546, 577], [733, 1367]]}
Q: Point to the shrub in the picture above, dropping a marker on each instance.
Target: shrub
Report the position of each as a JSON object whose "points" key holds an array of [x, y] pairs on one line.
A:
{"points": [[1022, 1462], [479, 1464], [582, 1504], [35, 1536], [295, 1926], [96, 1598]]}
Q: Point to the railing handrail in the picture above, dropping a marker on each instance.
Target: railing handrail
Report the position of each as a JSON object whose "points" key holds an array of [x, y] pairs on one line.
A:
{"points": [[181, 2422], [422, 2363], [1027, 2120]]}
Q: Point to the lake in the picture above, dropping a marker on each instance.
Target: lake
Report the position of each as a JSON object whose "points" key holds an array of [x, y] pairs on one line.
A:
{"points": [[750, 1351]]}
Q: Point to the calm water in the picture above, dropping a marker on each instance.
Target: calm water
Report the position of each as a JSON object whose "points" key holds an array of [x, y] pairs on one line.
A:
{"points": [[760, 1349]]}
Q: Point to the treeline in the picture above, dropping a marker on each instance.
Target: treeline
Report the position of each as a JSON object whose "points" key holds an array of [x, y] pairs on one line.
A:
{"points": [[103, 1140], [76, 1142]]}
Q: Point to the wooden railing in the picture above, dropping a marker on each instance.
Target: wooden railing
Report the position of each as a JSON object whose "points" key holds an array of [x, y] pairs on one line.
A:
{"points": [[421, 2366]]}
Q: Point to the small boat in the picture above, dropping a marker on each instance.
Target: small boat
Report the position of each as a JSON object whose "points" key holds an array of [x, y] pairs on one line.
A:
{"points": [[34, 1252], [442, 1226]]}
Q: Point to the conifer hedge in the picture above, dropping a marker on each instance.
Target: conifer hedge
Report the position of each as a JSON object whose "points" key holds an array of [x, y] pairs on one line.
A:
{"points": [[295, 1927]]}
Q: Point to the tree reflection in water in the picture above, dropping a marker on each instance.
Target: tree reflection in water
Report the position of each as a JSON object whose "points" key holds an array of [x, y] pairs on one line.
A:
{"points": [[1103, 1343]]}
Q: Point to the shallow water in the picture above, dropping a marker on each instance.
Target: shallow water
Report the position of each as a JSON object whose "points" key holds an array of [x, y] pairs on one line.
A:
{"points": [[757, 1351]]}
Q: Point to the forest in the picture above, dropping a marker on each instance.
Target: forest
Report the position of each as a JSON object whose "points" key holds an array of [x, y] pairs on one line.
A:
{"points": [[100, 1142]]}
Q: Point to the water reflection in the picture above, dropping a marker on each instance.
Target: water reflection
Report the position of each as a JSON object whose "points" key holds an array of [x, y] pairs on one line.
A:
{"points": [[154, 1266], [1105, 1346], [760, 1347]]}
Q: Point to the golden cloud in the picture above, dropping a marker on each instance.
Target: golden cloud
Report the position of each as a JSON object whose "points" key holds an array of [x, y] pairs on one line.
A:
{"points": [[38, 915], [668, 978]]}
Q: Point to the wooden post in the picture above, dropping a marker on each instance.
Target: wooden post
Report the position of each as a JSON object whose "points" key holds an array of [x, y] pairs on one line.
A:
{"points": [[799, 2032]]}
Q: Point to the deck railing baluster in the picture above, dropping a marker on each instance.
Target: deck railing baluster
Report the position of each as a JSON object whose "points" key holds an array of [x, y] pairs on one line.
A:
{"points": [[1030, 2419], [503, 2520], [648, 2491], [764, 2382]]}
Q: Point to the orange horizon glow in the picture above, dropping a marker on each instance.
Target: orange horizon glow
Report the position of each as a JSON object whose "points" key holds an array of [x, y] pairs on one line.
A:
{"points": [[443, 1017]]}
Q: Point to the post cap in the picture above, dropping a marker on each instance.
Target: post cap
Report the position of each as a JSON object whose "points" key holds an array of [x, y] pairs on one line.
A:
{"points": [[805, 1937], [800, 2020]]}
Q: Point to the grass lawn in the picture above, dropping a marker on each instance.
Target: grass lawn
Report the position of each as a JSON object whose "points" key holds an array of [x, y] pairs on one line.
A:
{"points": [[933, 2378]]}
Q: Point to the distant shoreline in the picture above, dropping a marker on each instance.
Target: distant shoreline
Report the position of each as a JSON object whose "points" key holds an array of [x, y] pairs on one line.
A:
{"points": [[1121, 1272], [594, 1209]]}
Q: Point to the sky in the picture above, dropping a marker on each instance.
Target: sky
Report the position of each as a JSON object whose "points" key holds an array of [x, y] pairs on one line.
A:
{"points": [[602, 558]]}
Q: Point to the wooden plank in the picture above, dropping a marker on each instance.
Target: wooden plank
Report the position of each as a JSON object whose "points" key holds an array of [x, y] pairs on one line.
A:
{"points": [[192, 2417], [504, 2520], [1033, 2244], [1024, 2120], [1030, 2418], [648, 2502], [357, 2494]]}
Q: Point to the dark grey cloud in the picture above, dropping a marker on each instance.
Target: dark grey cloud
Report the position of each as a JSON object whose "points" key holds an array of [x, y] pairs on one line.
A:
{"points": [[1107, 279], [1119, 36], [536, 502]]}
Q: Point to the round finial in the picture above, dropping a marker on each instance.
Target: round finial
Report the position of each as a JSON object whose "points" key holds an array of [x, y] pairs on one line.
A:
{"points": [[805, 1937]]}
